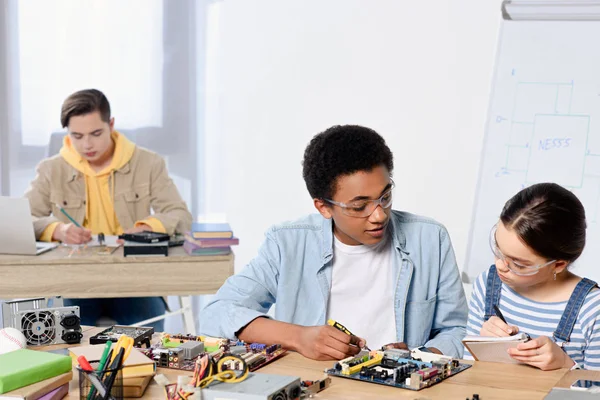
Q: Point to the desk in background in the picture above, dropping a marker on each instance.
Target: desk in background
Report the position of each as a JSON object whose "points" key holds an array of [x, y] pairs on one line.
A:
{"points": [[491, 381], [52, 274]]}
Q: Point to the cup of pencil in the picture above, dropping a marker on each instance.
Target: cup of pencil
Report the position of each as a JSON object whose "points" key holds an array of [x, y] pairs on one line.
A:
{"points": [[100, 383]]}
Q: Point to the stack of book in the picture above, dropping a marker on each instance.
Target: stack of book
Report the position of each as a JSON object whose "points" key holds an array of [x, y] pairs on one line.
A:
{"points": [[138, 369], [31, 375], [209, 239]]}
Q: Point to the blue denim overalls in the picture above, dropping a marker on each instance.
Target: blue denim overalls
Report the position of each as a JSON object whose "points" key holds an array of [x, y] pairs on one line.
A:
{"points": [[567, 321]]}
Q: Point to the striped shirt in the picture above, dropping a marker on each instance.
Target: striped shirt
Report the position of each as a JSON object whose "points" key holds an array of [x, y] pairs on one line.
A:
{"points": [[541, 319]]}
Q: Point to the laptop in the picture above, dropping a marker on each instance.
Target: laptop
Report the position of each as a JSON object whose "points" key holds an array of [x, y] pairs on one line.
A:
{"points": [[17, 235]]}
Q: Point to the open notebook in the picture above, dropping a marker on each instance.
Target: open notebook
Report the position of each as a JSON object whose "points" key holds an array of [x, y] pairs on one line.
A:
{"points": [[494, 349]]}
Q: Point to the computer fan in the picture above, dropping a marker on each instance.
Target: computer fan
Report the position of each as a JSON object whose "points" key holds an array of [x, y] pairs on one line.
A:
{"points": [[50, 326], [39, 327], [43, 326]]}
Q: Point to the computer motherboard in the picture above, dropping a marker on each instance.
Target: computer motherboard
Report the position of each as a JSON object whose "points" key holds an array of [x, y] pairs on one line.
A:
{"points": [[181, 351], [398, 368]]}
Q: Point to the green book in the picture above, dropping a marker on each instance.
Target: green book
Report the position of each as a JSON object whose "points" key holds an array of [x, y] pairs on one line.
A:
{"points": [[24, 367]]}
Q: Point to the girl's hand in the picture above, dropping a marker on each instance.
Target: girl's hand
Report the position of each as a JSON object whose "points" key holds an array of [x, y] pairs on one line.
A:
{"points": [[542, 353], [496, 327]]}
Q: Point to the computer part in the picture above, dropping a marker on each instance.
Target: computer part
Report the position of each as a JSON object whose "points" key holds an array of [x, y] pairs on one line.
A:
{"points": [[17, 235], [141, 335], [256, 387], [145, 237], [311, 388], [43, 325], [179, 351], [137, 249], [386, 368]]}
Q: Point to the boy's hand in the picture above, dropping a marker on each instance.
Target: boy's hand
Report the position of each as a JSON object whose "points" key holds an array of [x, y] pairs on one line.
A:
{"points": [[327, 343], [71, 234], [496, 327], [397, 345], [542, 353]]}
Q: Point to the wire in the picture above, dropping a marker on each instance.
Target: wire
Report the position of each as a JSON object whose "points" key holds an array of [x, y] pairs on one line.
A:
{"points": [[225, 375]]}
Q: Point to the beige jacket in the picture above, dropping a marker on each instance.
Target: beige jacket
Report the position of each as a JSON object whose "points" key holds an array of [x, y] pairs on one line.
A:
{"points": [[140, 185]]}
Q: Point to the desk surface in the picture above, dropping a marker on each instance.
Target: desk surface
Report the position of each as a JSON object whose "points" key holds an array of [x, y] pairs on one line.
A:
{"points": [[490, 380], [79, 276]]}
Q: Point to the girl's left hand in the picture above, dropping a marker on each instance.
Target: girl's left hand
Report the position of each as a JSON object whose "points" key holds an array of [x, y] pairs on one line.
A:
{"points": [[542, 353]]}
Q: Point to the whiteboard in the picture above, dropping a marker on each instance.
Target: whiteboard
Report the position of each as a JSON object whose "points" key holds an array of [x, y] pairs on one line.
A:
{"points": [[543, 126]]}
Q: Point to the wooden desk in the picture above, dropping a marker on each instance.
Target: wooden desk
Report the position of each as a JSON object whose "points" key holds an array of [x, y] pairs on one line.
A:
{"points": [[491, 381], [55, 274]]}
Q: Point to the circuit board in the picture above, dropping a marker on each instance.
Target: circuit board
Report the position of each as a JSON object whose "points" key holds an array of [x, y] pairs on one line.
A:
{"points": [[181, 352], [386, 368]]}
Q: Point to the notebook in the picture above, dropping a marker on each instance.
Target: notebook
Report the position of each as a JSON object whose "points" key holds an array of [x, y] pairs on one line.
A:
{"points": [[39, 390], [136, 364], [57, 393], [194, 250], [216, 242], [202, 230], [24, 367], [494, 349]]}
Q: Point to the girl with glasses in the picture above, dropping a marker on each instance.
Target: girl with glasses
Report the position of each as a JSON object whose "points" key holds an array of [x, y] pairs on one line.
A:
{"points": [[541, 232]]}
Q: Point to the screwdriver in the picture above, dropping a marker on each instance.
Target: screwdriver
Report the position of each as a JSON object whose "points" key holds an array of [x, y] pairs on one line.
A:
{"points": [[342, 328]]}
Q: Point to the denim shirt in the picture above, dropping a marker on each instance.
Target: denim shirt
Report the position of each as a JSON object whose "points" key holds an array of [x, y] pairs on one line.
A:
{"points": [[293, 269]]}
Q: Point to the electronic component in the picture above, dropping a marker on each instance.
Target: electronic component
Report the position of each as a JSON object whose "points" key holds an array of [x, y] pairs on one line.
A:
{"points": [[256, 387], [424, 354], [141, 335], [396, 354], [406, 373], [355, 364], [181, 351], [145, 249], [310, 388], [43, 325], [145, 237], [191, 350]]}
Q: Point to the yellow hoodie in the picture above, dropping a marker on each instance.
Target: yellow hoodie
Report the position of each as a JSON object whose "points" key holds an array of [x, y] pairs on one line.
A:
{"points": [[100, 214]]}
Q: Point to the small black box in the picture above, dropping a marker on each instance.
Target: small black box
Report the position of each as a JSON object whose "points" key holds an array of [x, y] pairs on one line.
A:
{"points": [[145, 249]]}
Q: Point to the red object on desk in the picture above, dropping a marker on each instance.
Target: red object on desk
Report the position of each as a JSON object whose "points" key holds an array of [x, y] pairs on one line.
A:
{"points": [[84, 364]]}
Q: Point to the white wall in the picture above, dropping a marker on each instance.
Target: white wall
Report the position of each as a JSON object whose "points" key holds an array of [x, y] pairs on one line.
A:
{"points": [[418, 72]]}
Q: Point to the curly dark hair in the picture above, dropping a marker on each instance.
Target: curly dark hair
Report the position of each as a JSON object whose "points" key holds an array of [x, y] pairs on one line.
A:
{"points": [[342, 150]]}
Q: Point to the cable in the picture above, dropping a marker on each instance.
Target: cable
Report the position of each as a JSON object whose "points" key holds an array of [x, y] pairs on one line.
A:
{"points": [[225, 375]]}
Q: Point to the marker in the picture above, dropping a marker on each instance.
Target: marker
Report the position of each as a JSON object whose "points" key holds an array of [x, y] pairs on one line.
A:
{"points": [[342, 328]]}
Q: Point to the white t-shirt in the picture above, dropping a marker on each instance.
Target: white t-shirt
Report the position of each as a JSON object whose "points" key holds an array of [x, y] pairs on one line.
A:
{"points": [[362, 291]]}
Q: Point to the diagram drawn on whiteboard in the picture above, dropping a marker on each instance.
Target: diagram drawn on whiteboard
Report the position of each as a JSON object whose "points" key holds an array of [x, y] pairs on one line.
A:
{"points": [[548, 142]]}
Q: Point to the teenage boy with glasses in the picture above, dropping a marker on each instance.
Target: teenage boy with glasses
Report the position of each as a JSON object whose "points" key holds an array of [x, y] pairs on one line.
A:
{"points": [[387, 275]]}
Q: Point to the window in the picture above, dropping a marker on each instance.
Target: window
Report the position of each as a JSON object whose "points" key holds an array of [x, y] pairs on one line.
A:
{"points": [[89, 44]]}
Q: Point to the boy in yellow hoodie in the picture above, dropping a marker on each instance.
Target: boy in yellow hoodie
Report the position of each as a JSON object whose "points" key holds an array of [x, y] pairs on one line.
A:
{"points": [[108, 185]]}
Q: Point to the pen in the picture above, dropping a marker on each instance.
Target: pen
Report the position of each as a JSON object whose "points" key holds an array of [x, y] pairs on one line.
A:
{"points": [[115, 366], [342, 328], [94, 380], [103, 360], [499, 314], [62, 210]]}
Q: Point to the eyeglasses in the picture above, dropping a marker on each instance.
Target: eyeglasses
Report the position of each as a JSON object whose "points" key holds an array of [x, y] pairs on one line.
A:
{"points": [[516, 267], [364, 208]]}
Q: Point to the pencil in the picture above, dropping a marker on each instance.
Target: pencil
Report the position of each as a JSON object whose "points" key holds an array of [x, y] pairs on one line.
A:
{"points": [[62, 210]]}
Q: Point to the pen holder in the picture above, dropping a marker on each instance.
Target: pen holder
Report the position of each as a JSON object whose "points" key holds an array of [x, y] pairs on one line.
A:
{"points": [[100, 385]]}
